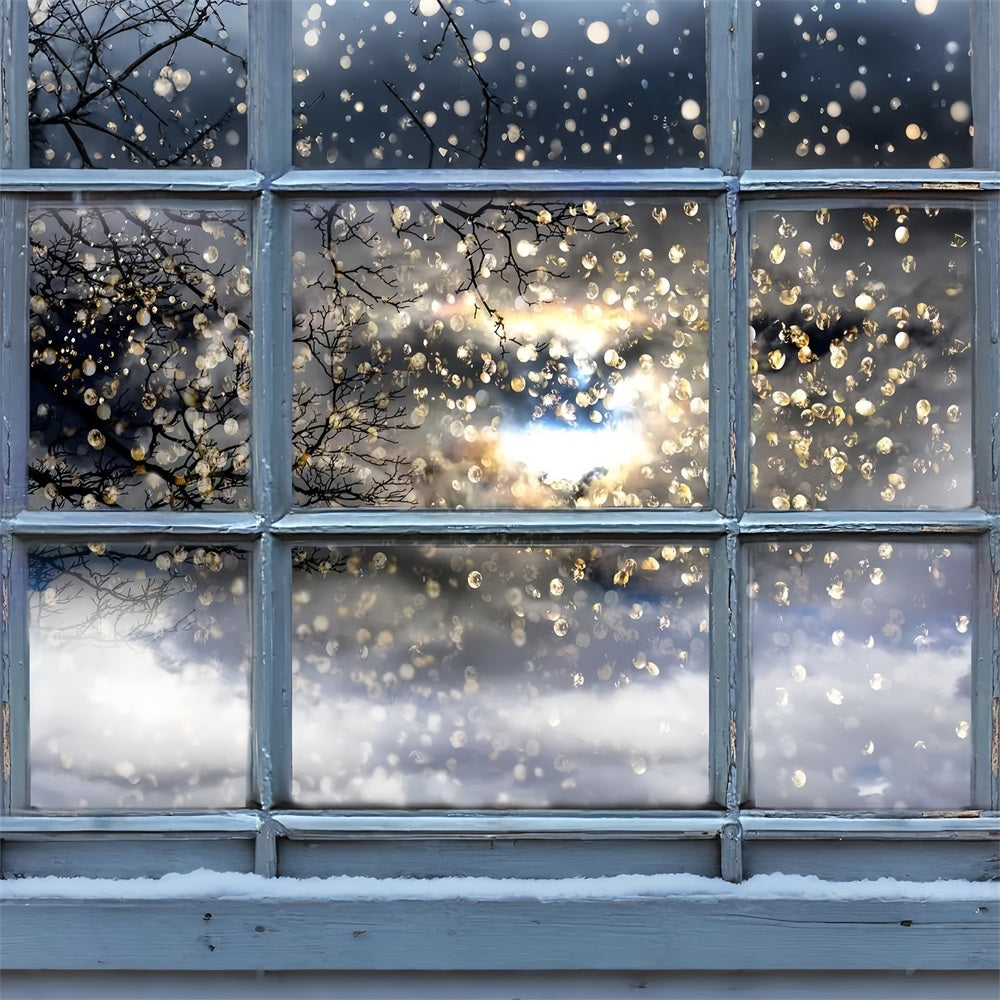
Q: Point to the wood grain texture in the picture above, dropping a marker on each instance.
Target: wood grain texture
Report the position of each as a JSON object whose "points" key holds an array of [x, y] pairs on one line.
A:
{"points": [[455, 934]]}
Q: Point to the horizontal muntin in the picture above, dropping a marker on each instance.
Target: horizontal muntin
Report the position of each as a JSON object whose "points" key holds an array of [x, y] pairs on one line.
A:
{"points": [[231, 823], [841, 182], [526, 824], [469, 524], [973, 521], [72, 524], [572, 825], [42, 181], [617, 522], [627, 182], [551, 182], [823, 826]]}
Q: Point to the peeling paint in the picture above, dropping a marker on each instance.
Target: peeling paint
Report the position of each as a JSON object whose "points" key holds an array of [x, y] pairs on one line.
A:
{"points": [[995, 743], [5, 729]]}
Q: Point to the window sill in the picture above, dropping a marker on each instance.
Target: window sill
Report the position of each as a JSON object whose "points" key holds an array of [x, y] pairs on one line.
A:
{"points": [[209, 920]]}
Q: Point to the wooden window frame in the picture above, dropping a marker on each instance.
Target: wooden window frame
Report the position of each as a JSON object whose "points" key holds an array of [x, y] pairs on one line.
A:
{"points": [[581, 931]]}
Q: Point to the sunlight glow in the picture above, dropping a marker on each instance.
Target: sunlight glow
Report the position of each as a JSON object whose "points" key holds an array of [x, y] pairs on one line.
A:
{"points": [[566, 452]]}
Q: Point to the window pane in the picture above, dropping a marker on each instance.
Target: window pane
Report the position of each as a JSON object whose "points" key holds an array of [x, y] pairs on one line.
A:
{"points": [[849, 84], [137, 83], [501, 676], [501, 354], [546, 83], [862, 358], [139, 667], [861, 655], [140, 358]]}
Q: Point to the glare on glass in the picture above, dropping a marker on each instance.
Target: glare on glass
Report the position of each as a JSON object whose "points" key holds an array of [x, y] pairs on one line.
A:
{"points": [[140, 357], [525, 83], [848, 84], [861, 361], [139, 664], [500, 676], [137, 83], [500, 354], [861, 661]]}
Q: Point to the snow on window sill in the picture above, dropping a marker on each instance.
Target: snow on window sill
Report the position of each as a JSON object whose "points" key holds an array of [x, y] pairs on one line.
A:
{"points": [[203, 883]]}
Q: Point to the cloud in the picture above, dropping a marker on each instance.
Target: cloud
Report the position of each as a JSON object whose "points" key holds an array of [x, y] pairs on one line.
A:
{"points": [[490, 676], [112, 725]]}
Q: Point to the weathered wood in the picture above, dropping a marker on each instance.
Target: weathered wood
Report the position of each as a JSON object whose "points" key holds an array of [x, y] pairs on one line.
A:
{"points": [[908, 860], [671, 933], [148, 857], [503, 857], [550, 181], [868, 181], [219, 182]]}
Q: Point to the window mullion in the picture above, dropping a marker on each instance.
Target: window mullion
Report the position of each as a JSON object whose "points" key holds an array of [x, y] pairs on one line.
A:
{"points": [[6, 566], [986, 472], [14, 148], [271, 673], [270, 156], [726, 367], [738, 649], [270, 89], [13, 463], [272, 349], [729, 84], [728, 704], [14, 781], [986, 676], [729, 79], [986, 449], [13, 353], [728, 415], [271, 678], [992, 727], [986, 83], [986, 445], [737, 447]]}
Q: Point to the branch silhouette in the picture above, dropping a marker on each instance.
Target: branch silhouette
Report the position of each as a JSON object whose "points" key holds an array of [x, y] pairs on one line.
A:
{"points": [[88, 97], [134, 593], [465, 60], [354, 392], [140, 374]]}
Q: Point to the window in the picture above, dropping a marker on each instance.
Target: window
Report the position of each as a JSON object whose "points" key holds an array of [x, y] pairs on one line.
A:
{"points": [[501, 439]]}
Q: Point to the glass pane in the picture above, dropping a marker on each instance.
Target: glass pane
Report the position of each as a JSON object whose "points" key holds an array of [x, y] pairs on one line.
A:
{"points": [[844, 83], [140, 358], [861, 364], [139, 676], [861, 656], [481, 676], [500, 354], [525, 83], [137, 83]]}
